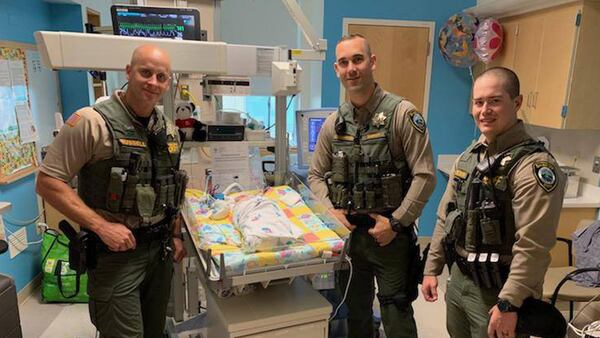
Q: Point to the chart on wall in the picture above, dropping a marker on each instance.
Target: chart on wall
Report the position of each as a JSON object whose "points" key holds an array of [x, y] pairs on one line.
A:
{"points": [[17, 129]]}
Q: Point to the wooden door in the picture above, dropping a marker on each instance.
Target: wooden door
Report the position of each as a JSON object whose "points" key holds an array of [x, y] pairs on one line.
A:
{"points": [[526, 60], [402, 59], [558, 38]]}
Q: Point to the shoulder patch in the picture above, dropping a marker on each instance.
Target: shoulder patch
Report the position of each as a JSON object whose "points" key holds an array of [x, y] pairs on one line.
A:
{"points": [[545, 174], [417, 120], [73, 119]]}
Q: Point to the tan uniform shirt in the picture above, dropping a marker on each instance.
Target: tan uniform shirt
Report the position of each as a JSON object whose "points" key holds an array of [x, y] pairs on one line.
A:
{"points": [[85, 138], [405, 139], [536, 213]]}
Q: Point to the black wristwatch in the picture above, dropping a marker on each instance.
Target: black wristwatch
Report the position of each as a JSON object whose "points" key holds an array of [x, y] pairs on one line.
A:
{"points": [[505, 306], [396, 225]]}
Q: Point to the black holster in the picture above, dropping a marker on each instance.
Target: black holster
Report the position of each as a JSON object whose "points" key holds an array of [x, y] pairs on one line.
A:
{"points": [[449, 251], [82, 248]]}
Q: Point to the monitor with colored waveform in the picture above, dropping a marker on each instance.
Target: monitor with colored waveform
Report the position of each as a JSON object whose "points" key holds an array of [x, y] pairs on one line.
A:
{"points": [[156, 22], [308, 126]]}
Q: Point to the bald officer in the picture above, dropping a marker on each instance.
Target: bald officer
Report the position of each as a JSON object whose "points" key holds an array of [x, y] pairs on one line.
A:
{"points": [[497, 219], [373, 168], [125, 153]]}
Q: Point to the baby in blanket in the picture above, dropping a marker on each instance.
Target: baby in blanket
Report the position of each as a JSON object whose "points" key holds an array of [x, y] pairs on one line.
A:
{"points": [[264, 225]]}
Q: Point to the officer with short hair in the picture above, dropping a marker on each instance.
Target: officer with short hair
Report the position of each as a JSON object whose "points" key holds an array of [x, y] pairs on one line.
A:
{"points": [[126, 155], [373, 168], [497, 219]]}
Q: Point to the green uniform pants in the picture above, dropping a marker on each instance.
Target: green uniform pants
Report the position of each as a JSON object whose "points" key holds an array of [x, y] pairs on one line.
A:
{"points": [[390, 265], [129, 291], [467, 306]]}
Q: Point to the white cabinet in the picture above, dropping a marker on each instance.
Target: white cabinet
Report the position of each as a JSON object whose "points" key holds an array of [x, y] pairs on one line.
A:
{"points": [[290, 311]]}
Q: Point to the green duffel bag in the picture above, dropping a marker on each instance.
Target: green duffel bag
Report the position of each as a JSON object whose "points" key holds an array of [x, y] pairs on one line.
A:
{"points": [[59, 282]]}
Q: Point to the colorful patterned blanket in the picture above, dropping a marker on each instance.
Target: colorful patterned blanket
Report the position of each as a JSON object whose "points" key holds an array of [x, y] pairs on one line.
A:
{"points": [[222, 237]]}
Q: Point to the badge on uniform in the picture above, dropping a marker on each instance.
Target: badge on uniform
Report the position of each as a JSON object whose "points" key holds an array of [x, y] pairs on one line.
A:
{"points": [[173, 147], [417, 121], [545, 174], [379, 119]]}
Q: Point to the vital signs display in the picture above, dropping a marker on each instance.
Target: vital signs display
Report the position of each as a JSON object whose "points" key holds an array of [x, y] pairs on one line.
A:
{"points": [[156, 22]]}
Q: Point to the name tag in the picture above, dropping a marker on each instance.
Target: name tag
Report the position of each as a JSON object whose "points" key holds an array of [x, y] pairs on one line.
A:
{"points": [[461, 174], [132, 143]]}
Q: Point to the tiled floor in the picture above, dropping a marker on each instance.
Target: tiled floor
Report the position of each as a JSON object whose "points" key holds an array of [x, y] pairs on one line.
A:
{"points": [[72, 320], [54, 320]]}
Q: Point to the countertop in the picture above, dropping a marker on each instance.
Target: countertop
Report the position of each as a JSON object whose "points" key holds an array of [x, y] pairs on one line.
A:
{"points": [[589, 195]]}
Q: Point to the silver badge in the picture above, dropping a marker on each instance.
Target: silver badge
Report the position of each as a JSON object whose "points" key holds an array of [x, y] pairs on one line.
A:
{"points": [[379, 119]]}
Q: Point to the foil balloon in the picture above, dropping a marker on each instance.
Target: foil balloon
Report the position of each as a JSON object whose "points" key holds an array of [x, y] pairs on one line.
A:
{"points": [[488, 40], [456, 40]]}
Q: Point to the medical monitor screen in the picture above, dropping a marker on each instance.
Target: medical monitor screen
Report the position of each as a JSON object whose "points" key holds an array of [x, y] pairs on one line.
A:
{"points": [[314, 126], [308, 126], [156, 22]]}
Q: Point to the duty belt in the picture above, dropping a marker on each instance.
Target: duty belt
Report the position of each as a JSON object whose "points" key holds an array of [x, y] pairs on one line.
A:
{"points": [[153, 232]]}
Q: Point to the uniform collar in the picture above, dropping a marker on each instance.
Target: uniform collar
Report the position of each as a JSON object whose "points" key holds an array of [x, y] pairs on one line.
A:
{"points": [[509, 138], [372, 104], [118, 95]]}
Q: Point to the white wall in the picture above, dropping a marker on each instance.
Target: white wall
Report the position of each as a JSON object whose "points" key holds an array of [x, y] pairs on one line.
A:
{"points": [[573, 148]]}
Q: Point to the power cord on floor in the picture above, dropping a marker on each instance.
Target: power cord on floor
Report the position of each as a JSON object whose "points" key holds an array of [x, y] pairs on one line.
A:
{"points": [[590, 330], [349, 260]]}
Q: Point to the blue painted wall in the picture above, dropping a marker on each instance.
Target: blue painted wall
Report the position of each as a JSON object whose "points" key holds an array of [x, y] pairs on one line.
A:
{"points": [[18, 21], [450, 125]]}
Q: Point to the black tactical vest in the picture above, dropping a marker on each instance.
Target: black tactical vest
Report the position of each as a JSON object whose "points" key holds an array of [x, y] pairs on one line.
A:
{"points": [[140, 179], [484, 199], [364, 175]]}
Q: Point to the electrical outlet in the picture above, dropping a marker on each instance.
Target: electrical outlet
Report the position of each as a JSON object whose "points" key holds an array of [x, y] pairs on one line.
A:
{"points": [[40, 227], [596, 166]]}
